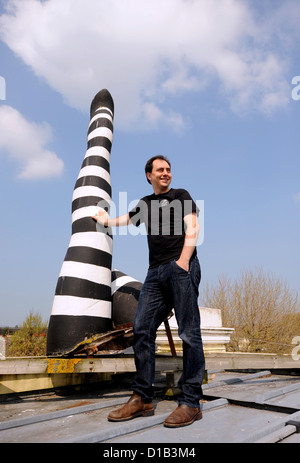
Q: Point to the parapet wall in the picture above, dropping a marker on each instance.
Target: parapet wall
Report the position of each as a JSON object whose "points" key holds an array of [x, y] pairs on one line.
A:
{"points": [[214, 335]]}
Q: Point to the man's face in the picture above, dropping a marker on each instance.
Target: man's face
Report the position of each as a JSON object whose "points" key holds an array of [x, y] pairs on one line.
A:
{"points": [[161, 176]]}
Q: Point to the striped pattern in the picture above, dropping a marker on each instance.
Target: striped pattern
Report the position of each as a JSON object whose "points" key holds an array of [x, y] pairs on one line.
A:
{"points": [[82, 304], [125, 294]]}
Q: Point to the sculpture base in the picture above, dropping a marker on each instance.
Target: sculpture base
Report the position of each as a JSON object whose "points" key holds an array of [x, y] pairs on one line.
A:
{"points": [[65, 332]]}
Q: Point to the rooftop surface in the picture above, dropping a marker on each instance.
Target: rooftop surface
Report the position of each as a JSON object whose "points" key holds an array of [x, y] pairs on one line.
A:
{"points": [[237, 408]]}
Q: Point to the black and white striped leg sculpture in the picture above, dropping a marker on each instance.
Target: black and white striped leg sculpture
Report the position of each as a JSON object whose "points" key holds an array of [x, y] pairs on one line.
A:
{"points": [[82, 304], [125, 292]]}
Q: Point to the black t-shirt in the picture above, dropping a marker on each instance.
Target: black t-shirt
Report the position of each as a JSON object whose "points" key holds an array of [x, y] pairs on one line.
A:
{"points": [[163, 218]]}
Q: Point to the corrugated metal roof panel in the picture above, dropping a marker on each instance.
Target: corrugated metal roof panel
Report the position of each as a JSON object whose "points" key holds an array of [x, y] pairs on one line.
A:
{"points": [[238, 407]]}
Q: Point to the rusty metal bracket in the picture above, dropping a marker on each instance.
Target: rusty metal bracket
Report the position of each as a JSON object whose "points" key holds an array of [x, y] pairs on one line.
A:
{"points": [[170, 338]]}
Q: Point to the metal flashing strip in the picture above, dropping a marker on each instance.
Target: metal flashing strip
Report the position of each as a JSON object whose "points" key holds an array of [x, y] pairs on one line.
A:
{"points": [[131, 426], [237, 379], [268, 431], [15, 423], [261, 398], [277, 436], [295, 423]]}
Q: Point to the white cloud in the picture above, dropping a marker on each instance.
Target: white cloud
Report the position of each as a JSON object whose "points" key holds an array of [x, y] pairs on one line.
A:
{"points": [[146, 52], [154, 116], [25, 142]]}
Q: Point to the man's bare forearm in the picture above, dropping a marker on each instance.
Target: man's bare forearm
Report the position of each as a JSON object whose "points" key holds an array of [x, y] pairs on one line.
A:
{"points": [[190, 241], [120, 221], [104, 219]]}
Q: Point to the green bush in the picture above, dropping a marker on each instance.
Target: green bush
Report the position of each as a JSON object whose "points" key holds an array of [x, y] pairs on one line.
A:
{"points": [[30, 339]]}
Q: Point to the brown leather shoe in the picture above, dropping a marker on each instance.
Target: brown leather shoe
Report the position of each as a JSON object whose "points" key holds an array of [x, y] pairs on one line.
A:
{"points": [[183, 415], [133, 408]]}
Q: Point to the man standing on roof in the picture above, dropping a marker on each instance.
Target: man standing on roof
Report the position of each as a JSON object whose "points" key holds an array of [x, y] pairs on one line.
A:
{"points": [[172, 281]]}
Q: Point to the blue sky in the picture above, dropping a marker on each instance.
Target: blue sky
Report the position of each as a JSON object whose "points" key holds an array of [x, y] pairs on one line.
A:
{"points": [[208, 83]]}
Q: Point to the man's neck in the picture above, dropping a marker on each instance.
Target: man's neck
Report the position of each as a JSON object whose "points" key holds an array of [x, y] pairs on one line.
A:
{"points": [[161, 191]]}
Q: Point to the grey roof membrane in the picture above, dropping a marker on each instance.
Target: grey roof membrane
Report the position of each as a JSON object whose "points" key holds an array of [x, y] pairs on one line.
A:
{"points": [[260, 407]]}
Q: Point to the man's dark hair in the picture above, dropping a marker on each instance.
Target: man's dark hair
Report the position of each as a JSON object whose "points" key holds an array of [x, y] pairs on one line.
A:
{"points": [[149, 164]]}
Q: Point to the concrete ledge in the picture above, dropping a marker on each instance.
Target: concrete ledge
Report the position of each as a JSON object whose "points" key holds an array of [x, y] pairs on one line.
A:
{"points": [[32, 373], [12, 384]]}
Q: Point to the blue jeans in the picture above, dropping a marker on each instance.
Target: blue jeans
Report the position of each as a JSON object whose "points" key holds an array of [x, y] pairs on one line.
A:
{"points": [[169, 286]]}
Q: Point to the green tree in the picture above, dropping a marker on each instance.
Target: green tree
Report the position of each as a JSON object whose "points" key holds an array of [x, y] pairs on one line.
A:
{"points": [[30, 339]]}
